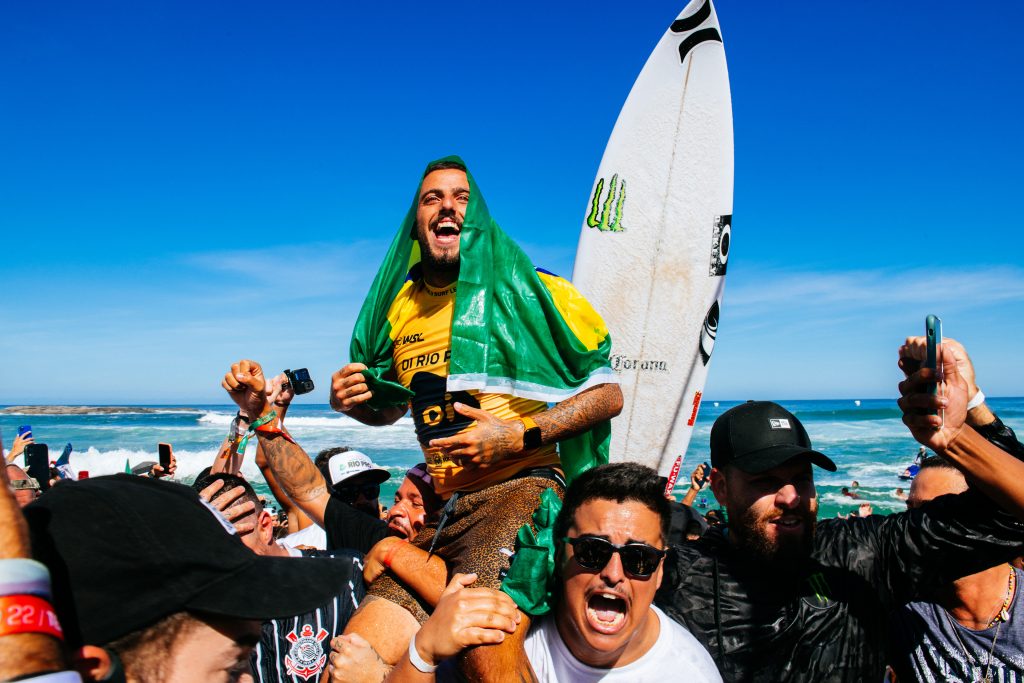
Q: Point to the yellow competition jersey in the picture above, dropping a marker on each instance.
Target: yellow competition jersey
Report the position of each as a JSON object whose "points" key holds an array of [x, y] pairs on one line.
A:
{"points": [[421, 322]]}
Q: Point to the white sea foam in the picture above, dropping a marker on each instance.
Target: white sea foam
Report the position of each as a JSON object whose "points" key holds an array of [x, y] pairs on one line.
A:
{"points": [[339, 422], [190, 463]]}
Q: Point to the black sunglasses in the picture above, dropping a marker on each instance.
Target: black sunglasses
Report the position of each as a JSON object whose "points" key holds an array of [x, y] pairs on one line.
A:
{"points": [[351, 493], [594, 553]]}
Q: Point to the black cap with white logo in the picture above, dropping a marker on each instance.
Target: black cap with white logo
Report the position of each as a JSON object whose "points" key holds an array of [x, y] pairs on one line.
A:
{"points": [[758, 435]]}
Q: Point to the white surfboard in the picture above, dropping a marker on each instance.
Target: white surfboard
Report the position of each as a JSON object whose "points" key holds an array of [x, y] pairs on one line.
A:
{"points": [[655, 242]]}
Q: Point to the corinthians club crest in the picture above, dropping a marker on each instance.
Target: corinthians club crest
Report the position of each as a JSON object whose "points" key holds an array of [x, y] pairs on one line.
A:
{"points": [[306, 657]]}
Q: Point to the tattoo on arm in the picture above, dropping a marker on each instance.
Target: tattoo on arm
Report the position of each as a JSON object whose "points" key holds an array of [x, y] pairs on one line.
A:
{"points": [[295, 472], [579, 413]]}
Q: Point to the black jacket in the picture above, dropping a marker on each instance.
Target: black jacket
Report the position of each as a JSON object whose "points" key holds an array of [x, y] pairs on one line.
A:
{"points": [[828, 619]]}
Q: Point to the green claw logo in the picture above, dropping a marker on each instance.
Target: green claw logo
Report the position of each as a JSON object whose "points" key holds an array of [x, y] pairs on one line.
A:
{"points": [[820, 587], [599, 212]]}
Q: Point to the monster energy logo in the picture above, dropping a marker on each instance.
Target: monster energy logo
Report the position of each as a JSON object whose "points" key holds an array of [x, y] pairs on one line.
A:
{"points": [[820, 587], [600, 211]]}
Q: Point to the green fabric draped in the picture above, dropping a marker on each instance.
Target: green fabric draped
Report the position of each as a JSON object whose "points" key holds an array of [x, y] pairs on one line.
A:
{"points": [[508, 336]]}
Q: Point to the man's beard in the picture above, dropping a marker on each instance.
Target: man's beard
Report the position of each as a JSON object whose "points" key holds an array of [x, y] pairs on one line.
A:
{"points": [[445, 263], [777, 554]]}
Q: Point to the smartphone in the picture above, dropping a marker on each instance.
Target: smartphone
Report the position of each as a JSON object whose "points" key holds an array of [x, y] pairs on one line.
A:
{"points": [[37, 464], [300, 381], [24, 429], [707, 475], [165, 455], [933, 354]]}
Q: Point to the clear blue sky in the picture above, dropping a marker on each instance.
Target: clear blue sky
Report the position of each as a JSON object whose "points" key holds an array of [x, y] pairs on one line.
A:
{"points": [[186, 183]]}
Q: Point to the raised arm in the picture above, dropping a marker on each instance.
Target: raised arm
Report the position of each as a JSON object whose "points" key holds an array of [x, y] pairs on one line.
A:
{"points": [[26, 653], [989, 468], [292, 467]]}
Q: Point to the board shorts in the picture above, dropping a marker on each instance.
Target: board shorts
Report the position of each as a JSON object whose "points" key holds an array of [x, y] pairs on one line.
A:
{"points": [[479, 536]]}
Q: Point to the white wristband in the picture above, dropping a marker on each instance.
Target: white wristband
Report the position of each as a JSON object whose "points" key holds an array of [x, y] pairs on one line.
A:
{"points": [[978, 399], [20, 576], [417, 661]]}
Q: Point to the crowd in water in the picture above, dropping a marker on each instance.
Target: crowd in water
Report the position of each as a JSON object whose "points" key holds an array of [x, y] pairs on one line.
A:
{"points": [[513, 551]]}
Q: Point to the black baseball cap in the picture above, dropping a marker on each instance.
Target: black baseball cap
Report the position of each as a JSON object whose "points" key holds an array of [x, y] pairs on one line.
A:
{"points": [[124, 552], [758, 435]]}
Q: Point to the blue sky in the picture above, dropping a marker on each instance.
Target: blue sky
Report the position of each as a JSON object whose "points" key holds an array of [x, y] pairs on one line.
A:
{"points": [[184, 183]]}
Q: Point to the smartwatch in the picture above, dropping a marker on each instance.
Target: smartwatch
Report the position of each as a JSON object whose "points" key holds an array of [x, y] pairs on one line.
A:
{"points": [[531, 434]]}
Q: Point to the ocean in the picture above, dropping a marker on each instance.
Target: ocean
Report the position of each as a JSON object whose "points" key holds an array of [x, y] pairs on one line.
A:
{"points": [[866, 439]]}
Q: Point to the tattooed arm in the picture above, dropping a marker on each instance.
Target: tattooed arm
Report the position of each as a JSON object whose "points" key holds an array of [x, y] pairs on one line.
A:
{"points": [[493, 439], [295, 472], [297, 475]]}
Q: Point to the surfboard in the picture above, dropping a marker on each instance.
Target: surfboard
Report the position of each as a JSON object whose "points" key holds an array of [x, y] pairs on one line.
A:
{"points": [[655, 240]]}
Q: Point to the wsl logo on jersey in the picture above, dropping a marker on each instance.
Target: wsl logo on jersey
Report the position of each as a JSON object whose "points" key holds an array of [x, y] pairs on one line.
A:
{"points": [[306, 657]]}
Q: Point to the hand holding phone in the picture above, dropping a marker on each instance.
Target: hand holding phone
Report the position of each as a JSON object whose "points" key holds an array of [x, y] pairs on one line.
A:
{"points": [[933, 355], [37, 464]]}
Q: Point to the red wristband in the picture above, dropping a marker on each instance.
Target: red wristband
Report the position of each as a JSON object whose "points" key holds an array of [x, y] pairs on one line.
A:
{"points": [[391, 553], [28, 614], [268, 429]]}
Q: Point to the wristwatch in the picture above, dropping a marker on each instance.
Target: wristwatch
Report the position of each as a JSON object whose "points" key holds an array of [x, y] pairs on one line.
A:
{"points": [[531, 434]]}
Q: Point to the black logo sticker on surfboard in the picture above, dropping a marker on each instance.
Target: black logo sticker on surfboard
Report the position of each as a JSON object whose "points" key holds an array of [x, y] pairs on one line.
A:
{"points": [[721, 240], [708, 333], [687, 24]]}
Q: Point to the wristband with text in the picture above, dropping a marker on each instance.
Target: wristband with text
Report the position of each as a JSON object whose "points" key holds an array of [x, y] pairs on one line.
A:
{"points": [[28, 614], [253, 426]]}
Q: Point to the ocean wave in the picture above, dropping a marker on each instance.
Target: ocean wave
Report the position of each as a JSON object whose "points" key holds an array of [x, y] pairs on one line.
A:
{"points": [[850, 414]]}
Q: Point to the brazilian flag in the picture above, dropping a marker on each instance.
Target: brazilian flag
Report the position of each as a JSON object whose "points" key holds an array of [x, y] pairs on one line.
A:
{"points": [[515, 330]]}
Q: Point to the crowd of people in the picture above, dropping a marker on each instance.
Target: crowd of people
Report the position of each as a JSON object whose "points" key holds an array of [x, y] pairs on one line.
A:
{"points": [[514, 551]]}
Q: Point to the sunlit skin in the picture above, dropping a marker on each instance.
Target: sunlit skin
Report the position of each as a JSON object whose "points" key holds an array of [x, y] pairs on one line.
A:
{"points": [[217, 650], [440, 211], [606, 618], [932, 482], [408, 515], [771, 513]]}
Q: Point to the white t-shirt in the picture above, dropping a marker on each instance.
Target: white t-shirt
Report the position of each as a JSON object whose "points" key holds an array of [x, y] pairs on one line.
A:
{"points": [[676, 655], [313, 536]]}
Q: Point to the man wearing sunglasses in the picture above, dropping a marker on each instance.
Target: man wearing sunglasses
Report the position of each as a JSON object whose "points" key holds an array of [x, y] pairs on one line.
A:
{"points": [[603, 626], [355, 479]]}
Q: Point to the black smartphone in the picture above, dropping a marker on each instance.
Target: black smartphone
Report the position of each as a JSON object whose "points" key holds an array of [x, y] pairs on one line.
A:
{"points": [[933, 353], [37, 464], [299, 380], [165, 455], [706, 476]]}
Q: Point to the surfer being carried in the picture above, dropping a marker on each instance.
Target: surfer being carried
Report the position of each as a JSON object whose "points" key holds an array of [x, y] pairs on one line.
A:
{"points": [[460, 327], [482, 419]]}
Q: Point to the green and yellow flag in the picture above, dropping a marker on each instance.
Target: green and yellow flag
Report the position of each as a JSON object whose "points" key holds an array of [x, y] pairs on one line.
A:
{"points": [[515, 330]]}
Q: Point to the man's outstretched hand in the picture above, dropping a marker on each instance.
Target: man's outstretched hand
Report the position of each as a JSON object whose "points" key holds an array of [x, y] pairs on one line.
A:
{"points": [[919, 405], [246, 385]]}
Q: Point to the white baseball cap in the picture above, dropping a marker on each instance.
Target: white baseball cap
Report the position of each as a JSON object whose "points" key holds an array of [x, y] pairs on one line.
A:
{"points": [[344, 467]]}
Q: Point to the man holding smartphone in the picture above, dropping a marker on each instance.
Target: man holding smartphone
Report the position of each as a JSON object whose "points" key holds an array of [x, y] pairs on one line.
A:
{"points": [[787, 597]]}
